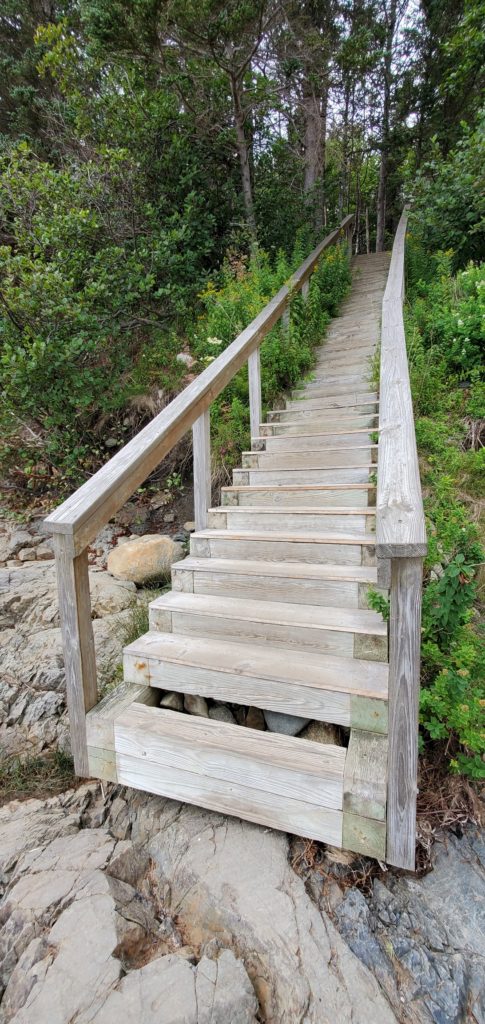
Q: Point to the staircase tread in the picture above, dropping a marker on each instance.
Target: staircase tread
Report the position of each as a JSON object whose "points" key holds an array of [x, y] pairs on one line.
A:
{"points": [[353, 620], [299, 487], [301, 668], [299, 538], [313, 510], [294, 570]]}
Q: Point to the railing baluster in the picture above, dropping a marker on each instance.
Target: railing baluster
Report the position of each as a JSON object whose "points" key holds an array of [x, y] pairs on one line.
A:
{"points": [[255, 407], [202, 469], [305, 289], [78, 644]]}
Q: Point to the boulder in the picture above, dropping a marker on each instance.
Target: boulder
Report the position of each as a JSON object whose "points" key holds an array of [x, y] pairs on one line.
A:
{"points": [[290, 725], [144, 559]]}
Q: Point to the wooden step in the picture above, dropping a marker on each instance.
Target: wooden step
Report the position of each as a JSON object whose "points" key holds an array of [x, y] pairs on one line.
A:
{"points": [[314, 495], [311, 401], [301, 442], [327, 420], [333, 548], [296, 582], [331, 398], [278, 781], [351, 632], [345, 691], [311, 458], [289, 520], [279, 477]]}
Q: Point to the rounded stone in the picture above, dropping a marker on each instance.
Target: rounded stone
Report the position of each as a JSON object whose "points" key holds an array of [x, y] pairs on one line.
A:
{"points": [[145, 558], [290, 725]]}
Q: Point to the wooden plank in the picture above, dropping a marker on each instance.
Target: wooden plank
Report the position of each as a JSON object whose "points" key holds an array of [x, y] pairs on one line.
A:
{"points": [[102, 764], [272, 763], [298, 683], [311, 495], [364, 835], [96, 501], [365, 777], [237, 800], [100, 720], [254, 377], [404, 659], [319, 458], [368, 714], [401, 528], [78, 645], [289, 520], [298, 547], [202, 469], [302, 477]]}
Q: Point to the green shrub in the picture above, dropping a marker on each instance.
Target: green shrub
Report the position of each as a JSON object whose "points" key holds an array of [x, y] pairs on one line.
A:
{"points": [[230, 301], [453, 653]]}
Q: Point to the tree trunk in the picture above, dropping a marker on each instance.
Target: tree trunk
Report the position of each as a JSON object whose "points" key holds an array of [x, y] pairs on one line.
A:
{"points": [[244, 156], [386, 110], [314, 109]]}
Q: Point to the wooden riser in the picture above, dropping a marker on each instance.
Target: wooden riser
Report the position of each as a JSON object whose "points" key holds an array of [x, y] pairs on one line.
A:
{"points": [[356, 399], [298, 582], [313, 495], [324, 421], [276, 781], [332, 689], [311, 458], [291, 520], [280, 477], [336, 549], [311, 401], [302, 442], [346, 632]]}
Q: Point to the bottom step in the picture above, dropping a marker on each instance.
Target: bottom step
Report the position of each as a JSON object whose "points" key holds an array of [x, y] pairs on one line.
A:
{"points": [[319, 791]]}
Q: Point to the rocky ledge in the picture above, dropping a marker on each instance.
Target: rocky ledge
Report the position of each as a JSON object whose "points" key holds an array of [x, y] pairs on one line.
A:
{"points": [[121, 906]]}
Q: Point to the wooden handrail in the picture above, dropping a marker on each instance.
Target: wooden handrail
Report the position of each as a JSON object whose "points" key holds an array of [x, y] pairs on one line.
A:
{"points": [[400, 522], [400, 548], [77, 521], [97, 500]]}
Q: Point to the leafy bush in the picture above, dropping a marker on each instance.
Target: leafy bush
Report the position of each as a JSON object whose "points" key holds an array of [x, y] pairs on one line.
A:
{"points": [[453, 652], [231, 301], [449, 198], [89, 286]]}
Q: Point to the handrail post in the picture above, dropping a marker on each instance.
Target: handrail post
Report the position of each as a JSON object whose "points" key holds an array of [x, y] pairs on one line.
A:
{"points": [[404, 663], [305, 289], [254, 378], [78, 643], [202, 469]]}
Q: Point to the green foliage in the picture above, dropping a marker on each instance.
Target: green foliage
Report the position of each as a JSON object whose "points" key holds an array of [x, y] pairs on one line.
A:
{"points": [[378, 603], [453, 650], [243, 286], [449, 315], [449, 198]]}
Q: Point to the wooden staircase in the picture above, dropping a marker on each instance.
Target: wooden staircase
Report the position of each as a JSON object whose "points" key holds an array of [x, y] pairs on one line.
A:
{"points": [[270, 610]]}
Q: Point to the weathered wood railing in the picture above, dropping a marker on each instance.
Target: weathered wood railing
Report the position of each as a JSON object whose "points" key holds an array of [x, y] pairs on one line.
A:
{"points": [[400, 548], [76, 522]]}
